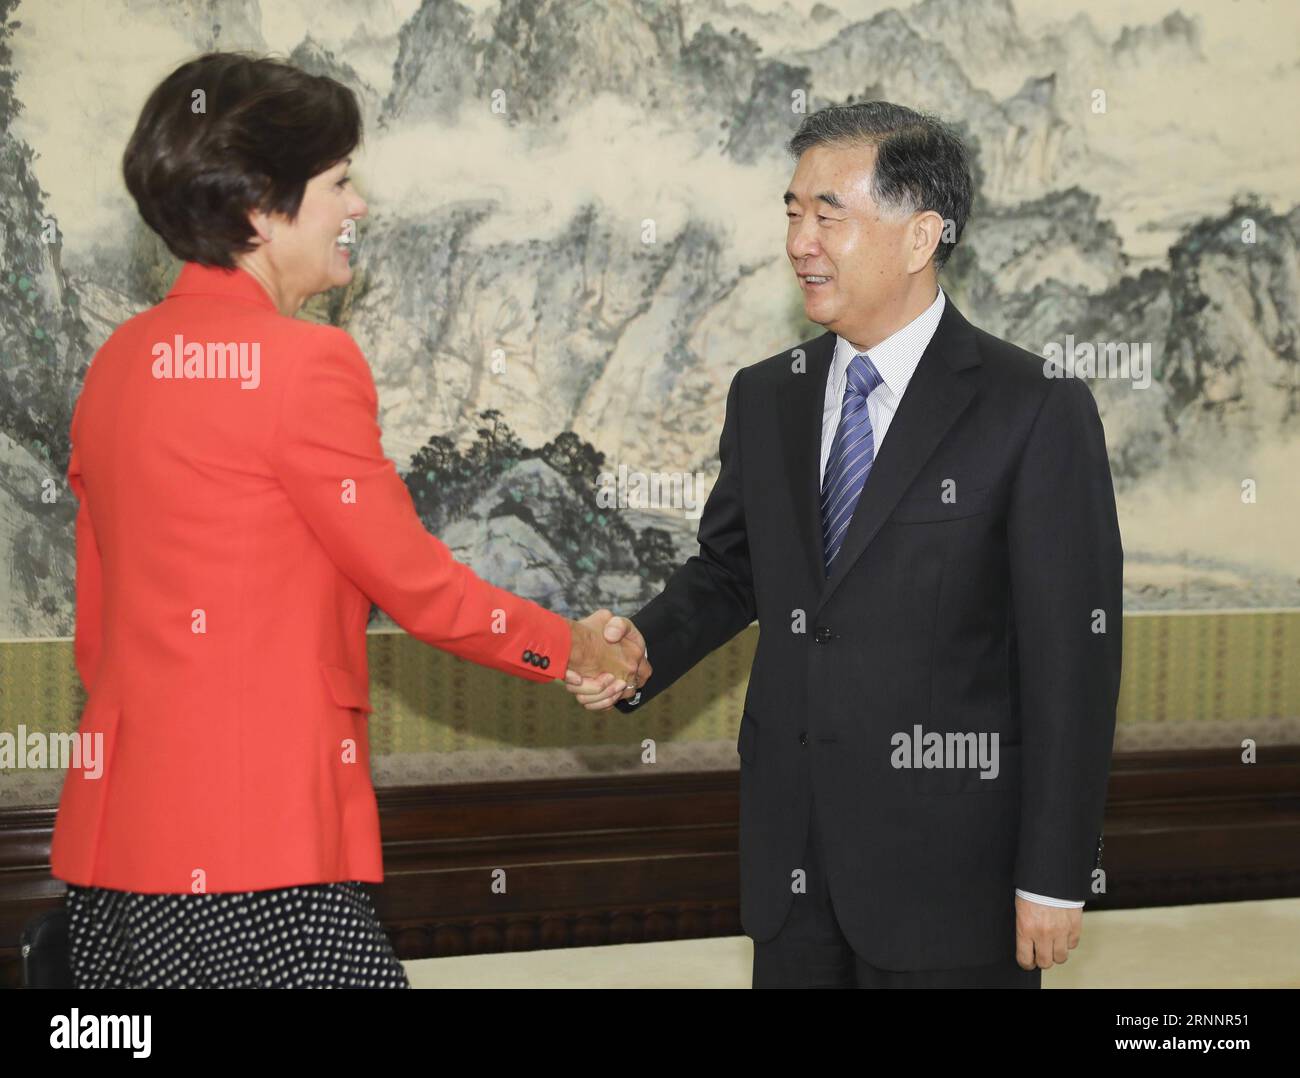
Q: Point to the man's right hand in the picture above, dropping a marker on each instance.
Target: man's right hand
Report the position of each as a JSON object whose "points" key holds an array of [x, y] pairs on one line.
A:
{"points": [[599, 691], [605, 662]]}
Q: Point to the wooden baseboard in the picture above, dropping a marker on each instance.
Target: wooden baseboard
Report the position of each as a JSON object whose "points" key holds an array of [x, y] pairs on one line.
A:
{"points": [[627, 859], [1198, 826], [586, 862]]}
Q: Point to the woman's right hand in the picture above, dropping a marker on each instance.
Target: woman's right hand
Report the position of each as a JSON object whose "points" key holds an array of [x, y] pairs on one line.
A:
{"points": [[592, 656]]}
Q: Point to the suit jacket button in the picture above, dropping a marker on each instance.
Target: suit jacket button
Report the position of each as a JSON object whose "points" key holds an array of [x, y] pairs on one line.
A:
{"points": [[546, 661], [528, 656], [803, 737]]}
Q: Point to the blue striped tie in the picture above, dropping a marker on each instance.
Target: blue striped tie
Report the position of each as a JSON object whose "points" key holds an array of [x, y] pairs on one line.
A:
{"points": [[851, 457]]}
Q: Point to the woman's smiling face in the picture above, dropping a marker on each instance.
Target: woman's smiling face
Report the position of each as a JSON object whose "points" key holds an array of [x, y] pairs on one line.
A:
{"points": [[312, 253]]}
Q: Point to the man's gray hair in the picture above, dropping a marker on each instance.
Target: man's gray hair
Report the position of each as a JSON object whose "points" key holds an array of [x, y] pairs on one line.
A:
{"points": [[921, 163]]}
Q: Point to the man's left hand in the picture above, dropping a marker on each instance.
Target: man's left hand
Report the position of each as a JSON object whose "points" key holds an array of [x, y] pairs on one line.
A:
{"points": [[1045, 935]]}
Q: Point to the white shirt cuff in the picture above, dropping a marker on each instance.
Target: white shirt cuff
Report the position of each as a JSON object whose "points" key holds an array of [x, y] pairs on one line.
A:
{"points": [[1062, 903], [633, 701]]}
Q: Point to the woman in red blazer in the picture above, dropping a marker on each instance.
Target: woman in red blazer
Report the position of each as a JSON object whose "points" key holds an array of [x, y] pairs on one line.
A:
{"points": [[237, 519]]}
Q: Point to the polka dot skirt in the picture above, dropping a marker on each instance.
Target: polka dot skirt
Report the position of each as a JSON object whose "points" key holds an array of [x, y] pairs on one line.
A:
{"points": [[316, 936]]}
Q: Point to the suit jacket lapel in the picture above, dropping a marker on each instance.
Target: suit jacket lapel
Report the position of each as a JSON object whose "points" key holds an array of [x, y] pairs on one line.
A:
{"points": [[801, 421], [935, 397]]}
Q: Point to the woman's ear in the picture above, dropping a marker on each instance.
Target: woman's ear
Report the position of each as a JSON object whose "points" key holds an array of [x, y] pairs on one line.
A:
{"points": [[262, 225]]}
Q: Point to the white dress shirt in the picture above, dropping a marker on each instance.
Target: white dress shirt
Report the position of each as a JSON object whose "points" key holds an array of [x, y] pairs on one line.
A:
{"points": [[895, 359]]}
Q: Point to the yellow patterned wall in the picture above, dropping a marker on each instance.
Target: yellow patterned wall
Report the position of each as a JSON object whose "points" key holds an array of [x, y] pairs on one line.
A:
{"points": [[1190, 680]]}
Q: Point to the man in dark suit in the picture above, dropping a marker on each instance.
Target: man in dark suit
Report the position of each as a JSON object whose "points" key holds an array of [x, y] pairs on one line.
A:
{"points": [[922, 520]]}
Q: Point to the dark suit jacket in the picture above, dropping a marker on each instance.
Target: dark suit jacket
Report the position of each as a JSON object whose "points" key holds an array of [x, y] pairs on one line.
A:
{"points": [[974, 614]]}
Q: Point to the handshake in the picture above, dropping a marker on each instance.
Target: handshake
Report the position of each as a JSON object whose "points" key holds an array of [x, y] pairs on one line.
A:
{"points": [[607, 661]]}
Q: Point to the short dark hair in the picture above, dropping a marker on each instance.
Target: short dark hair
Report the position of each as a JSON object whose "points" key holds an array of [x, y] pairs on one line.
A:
{"points": [[921, 162], [265, 129]]}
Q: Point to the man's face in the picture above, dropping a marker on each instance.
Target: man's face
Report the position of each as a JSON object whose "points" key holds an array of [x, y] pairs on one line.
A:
{"points": [[836, 232]]}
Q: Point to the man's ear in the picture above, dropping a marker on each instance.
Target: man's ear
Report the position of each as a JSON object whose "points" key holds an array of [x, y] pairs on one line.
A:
{"points": [[924, 235]]}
